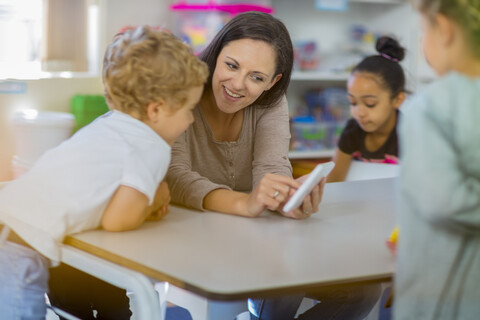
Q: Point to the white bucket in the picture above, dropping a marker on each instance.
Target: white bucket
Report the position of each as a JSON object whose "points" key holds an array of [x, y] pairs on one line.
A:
{"points": [[35, 132], [20, 166]]}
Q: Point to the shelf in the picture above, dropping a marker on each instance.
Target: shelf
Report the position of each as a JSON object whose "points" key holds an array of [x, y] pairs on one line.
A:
{"points": [[319, 76], [380, 1], [311, 154], [211, 5]]}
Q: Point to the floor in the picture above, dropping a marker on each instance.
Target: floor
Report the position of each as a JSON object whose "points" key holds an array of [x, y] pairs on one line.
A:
{"points": [[173, 313], [178, 313]]}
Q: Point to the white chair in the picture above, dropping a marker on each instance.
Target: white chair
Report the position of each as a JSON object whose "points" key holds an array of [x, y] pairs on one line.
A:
{"points": [[369, 170], [363, 171]]}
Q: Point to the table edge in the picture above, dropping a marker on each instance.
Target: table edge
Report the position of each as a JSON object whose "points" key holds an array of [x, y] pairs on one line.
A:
{"points": [[219, 296]]}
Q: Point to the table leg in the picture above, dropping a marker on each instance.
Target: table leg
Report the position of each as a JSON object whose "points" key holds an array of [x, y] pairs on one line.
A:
{"points": [[146, 299]]}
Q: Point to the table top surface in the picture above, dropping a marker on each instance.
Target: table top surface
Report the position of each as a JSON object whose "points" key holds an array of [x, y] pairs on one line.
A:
{"points": [[228, 257]]}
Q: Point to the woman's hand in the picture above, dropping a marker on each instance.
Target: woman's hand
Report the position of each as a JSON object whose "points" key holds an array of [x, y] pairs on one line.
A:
{"points": [[310, 203], [271, 193], [161, 203]]}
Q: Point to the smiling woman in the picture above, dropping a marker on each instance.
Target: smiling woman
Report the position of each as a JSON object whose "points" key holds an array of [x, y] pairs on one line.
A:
{"points": [[37, 41], [234, 158]]}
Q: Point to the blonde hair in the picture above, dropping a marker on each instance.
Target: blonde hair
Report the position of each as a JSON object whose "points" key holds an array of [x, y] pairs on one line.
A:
{"points": [[144, 65], [466, 13]]}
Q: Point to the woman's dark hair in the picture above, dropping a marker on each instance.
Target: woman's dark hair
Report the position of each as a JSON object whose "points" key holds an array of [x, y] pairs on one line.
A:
{"points": [[256, 26], [386, 65]]}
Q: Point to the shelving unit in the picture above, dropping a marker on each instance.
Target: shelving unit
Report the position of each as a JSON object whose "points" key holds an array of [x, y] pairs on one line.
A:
{"points": [[380, 1], [330, 30], [313, 154], [298, 75]]}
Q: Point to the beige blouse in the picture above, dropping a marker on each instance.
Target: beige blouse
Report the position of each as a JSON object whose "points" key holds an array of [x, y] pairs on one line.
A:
{"points": [[200, 163]]}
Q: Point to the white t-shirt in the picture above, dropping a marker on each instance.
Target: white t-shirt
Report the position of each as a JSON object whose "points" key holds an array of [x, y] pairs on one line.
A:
{"points": [[68, 188]]}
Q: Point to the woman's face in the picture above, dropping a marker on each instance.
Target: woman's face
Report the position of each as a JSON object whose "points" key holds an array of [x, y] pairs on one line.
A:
{"points": [[245, 69]]}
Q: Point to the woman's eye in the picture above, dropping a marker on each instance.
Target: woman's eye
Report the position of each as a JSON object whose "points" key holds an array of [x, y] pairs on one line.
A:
{"points": [[370, 105], [258, 78], [231, 65]]}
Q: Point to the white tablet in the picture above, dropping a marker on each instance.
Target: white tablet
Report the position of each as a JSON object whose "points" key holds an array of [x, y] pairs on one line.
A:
{"points": [[320, 171]]}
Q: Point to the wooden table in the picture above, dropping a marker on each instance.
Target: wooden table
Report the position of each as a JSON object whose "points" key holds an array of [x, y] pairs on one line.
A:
{"points": [[224, 257]]}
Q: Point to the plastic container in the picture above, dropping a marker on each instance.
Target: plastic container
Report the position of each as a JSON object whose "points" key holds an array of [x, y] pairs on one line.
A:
{"points": [[253, 2], [315, 135], [86, 108], [198, 28], [19, 166], [197, 22], [35, 132]]}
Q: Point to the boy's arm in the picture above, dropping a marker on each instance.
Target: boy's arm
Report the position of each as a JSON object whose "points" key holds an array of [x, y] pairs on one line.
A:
{"points": [[161, 204], [128, 208]]}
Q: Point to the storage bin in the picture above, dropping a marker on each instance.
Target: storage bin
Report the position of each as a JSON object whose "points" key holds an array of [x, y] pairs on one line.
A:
{"points": [[35, 132], [315, 135], [198, 28], [197, 22], [86, 108]]}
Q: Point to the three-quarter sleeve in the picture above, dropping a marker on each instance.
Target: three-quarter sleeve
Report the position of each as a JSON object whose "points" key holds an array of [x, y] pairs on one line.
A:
{"points": [[187, 187], [271, 143], [201, 163]]}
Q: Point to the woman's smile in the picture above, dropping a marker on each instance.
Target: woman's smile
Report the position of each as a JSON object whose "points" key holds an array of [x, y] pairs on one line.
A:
{"points": [[231, 93]]}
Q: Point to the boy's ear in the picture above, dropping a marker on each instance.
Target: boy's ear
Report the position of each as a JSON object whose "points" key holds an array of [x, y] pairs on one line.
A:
{"points": [[156, 109], [446, 29], [398, 100]]}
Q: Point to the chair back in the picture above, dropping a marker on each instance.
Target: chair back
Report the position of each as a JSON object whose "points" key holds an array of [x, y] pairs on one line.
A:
{"points": [[369, 170]]}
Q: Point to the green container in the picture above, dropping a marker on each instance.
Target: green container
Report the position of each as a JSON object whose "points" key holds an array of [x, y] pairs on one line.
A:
{"points": [[86, 108]]}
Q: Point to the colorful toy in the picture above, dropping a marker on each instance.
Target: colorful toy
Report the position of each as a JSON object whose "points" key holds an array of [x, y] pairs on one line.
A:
{"points": [[392, 240]]}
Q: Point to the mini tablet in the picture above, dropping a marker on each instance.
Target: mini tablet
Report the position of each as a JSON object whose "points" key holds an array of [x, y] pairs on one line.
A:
{"points": [[320, 171]]}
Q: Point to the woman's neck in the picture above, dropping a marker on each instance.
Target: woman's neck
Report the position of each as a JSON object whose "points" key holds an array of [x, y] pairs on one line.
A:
{"points": [[225, 126]]}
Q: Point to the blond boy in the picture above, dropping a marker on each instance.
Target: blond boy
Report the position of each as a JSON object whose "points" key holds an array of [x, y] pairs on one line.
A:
{"points": [[109, 173]]}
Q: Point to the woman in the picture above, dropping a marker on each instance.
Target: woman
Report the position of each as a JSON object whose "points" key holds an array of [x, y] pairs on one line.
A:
{"points": [[234, 157]]}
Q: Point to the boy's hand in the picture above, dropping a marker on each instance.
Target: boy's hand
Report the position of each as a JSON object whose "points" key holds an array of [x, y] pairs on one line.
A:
{"points": [[161, 204]]}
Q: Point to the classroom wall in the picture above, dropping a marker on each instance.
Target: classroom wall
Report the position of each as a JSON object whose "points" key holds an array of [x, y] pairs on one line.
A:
{"points": [[55, 94]]}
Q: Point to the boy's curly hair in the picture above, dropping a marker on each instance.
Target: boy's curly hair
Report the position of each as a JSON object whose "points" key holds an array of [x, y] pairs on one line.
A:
{"points": [[144, 65]]}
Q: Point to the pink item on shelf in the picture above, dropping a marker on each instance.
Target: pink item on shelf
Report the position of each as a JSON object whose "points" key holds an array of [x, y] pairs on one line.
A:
{"points": [[232, 9]]}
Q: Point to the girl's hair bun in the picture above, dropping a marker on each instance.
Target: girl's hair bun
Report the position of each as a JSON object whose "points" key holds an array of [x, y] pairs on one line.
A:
{"points": [[390, 47]]}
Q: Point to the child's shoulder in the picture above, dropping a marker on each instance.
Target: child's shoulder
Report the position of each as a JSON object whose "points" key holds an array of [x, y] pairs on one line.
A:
{"points": [[451, 84], [447, 92], [451, 99]]}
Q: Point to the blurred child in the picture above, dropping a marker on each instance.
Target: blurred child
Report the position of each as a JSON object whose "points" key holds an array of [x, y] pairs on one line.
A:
{"points": [[376, 89], [108, 174], [438, 269]]}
